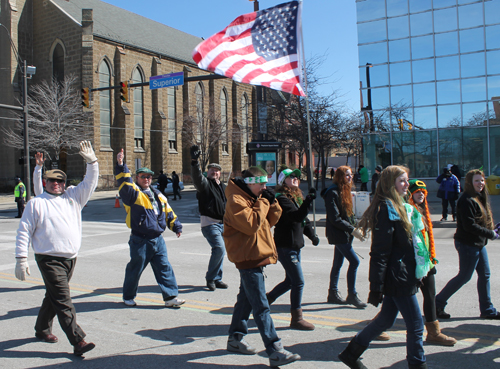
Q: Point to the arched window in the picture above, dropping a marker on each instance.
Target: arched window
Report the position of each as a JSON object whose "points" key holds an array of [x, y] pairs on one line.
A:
{"points": [[58, 63], [105, 104], [199, 92], [172, 127], [245, 129], [138, 99], [223, 121]]}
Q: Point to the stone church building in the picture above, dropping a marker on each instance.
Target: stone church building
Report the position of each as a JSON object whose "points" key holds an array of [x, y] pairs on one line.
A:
{"points": [[102, 45]]}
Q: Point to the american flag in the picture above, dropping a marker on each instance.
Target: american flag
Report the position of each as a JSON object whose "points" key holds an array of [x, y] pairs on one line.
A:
{"points": [[260, 48]]}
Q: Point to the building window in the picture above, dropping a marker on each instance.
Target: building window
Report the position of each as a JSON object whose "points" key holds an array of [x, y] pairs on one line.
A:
{"points": [[172, 129], [223, 122], [244, 120], [200, 94], [138, 98], [58, 63], [105, 104]]}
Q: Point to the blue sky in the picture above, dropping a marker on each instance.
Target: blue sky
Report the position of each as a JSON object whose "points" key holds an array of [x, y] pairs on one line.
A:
{"points": [[329, 28]]}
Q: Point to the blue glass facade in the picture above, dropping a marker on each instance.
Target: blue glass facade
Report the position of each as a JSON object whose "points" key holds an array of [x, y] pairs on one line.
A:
{"points": [[430, 83]]}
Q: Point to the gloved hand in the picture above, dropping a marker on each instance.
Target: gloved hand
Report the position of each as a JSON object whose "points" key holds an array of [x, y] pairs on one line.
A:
{"points": [[22, 268], [315, 240], [358, 234], [87, 152], [269, 195], [497, 228], [311, 194], [375, 298], [497, 235], [195, 152]]}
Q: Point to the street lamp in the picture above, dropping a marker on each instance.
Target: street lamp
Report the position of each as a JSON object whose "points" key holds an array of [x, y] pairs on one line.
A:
{"points": [[25, 70]]}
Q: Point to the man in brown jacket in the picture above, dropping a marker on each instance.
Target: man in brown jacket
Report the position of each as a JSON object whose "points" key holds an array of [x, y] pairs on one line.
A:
{"points": [[251, 211]]}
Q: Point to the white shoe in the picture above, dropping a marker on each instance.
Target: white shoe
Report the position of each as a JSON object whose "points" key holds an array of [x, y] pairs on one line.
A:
{"points": [[175, 302], [241, 346], [129, 302]]}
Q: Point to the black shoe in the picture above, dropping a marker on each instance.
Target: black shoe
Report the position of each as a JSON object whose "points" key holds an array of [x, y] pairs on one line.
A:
{"points": [[441, 314], [350, 356], [17, 216], [353, 299], [211, 285], [492, 316], [334, 297], [221, 285], [83, 347], [443, 219]]}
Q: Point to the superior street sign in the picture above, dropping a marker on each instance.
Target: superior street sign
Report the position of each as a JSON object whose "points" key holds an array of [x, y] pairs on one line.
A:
{"points": [[166, 80]]}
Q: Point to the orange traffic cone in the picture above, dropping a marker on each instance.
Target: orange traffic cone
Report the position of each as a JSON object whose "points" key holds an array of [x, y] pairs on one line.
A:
{"points": [[117, 202]]}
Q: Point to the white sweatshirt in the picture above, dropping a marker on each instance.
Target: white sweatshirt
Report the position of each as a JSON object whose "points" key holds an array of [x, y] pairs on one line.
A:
{"points": [[37, 180], [52, 223]]}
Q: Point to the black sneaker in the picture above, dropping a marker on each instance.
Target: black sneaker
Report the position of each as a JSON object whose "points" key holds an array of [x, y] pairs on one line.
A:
{"points": [[353, 299], [334, 297], [220, 284], [491, 316], [211, 285], [441, 314]]}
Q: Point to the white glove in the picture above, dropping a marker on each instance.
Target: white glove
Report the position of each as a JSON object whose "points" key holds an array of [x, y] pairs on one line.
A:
{"points": [[22, 268], [87, 152], [358, 234]]}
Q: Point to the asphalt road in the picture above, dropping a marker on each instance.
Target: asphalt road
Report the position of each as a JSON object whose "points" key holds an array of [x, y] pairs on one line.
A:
{"points": [[195, 335]]}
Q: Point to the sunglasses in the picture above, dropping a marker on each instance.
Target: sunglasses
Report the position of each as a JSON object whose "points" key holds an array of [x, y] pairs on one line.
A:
{"points": [[60, 181], [292, 176], [146, 177]]}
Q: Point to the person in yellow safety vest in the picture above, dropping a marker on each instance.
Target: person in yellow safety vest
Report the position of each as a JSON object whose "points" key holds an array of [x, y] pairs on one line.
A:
{"points": [[20, 196]]}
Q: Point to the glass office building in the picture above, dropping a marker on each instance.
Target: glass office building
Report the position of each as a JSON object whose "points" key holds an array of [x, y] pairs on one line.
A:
{"points": [[430, 83]]}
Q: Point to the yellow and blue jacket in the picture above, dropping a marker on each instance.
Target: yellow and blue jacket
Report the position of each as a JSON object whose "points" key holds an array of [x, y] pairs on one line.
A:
{"points": [[141, 216]]}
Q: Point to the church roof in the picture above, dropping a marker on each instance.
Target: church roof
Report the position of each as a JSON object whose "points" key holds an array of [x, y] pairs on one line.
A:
{"points": [[122, 26]]}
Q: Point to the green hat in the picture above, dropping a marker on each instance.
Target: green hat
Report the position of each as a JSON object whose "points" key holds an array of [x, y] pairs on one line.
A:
{"points": [[286, 173], [416, 185], [144, 170]]}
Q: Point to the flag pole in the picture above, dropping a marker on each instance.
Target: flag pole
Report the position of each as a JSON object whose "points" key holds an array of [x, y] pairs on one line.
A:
{"points": [[309, 159]]}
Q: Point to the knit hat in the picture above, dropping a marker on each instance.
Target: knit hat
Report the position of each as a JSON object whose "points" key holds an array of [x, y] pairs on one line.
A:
{"points": [[214, 165], [379, 168], [55, 174], [416, 185], [144, 170], [286, 173]]}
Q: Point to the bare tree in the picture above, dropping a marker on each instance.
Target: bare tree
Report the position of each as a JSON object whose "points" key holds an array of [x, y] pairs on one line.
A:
{"points": [[56, 121], [208, 132]]}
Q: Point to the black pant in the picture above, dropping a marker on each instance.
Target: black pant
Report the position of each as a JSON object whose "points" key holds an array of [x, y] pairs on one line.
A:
{"points": [[176, 192], [445, 207], [364, 186], [56, 274], [428, 289], [20, 207]]}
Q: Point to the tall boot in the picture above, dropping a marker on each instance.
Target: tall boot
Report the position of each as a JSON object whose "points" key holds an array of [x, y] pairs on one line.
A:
{"points": [[350, 356], [298, 321], [435, 336]]}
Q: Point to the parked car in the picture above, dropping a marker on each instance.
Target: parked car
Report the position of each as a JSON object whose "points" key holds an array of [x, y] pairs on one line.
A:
{"points": [[169, 190]]}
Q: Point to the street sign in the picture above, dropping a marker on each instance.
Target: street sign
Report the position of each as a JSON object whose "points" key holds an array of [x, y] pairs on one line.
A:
{"points": [[166, 80]]}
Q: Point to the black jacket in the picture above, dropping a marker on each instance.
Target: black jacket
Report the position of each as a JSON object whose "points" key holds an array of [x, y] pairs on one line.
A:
{"points": [[375, 178], [210, 195], [469, 231], [339, 226], [293, 224], [392, 257]]}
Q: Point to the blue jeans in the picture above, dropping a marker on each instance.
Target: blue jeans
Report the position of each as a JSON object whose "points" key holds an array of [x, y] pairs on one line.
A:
{"points": [[344, 251], [294, 280], [391, 306], [213, 234], [470, 258], [252, 297], [143, 252]]}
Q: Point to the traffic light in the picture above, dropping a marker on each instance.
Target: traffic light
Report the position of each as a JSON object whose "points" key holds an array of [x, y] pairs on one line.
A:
{"points": [[86, 97], [400, 124], [124, 91]]}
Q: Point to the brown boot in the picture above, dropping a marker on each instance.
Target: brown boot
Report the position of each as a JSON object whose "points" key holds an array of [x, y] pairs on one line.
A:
{"points": [[383, 337], [435, 336], [298, 322]]}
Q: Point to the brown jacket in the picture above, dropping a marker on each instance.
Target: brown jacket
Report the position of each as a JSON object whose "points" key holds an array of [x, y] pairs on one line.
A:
{"points": [[247, 227]]}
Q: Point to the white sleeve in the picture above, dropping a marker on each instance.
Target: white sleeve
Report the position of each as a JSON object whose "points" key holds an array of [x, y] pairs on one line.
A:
{"points": [[25, 231], [86, 188], [37, 180]]}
